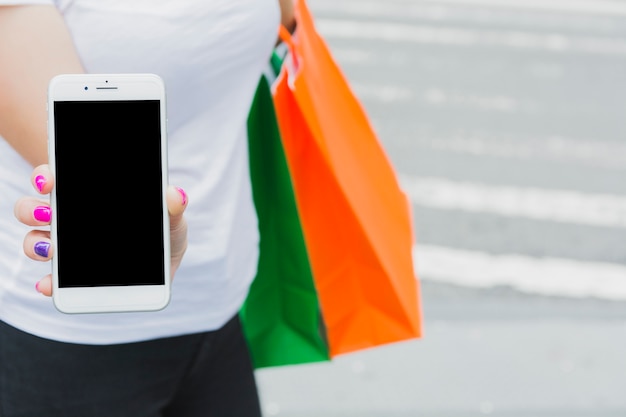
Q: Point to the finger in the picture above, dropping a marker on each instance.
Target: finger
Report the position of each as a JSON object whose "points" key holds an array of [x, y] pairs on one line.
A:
{"points": [[42, 179], [32, 211], [44, 286], [177, 201], [37, 245]]}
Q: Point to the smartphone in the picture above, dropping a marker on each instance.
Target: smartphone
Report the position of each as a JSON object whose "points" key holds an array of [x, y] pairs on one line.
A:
{"points": [[107, 147]]}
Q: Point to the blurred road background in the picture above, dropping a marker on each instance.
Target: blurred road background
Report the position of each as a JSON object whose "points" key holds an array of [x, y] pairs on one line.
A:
{"points": [[506, 122]]}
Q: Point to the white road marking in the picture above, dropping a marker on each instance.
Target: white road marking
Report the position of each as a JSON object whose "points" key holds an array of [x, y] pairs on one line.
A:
{"points": [[586, 7], [383, 93], [435, 97], [610, 8], [563, 206], [414, 33], [544, 276], [596, 153]]}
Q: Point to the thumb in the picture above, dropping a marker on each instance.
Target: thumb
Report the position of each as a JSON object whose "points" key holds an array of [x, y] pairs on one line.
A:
{"points": [[177, 202]]}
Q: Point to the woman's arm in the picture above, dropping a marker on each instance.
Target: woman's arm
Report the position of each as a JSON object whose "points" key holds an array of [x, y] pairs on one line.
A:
{"points": [[287, 16], [35, 45]]}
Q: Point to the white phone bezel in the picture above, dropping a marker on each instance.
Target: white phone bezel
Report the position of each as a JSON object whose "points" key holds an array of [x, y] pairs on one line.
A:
{"points": [[102, 299]]}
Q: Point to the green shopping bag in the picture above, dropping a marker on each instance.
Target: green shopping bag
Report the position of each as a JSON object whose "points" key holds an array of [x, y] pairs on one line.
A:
{"points": [[281, 316]]}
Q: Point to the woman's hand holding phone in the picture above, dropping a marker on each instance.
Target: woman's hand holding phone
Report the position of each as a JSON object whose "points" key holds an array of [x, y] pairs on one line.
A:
{"points": [[35, 212]]}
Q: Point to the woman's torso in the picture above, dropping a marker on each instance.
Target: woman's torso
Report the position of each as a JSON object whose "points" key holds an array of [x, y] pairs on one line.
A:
{"points": [[210, 55]]}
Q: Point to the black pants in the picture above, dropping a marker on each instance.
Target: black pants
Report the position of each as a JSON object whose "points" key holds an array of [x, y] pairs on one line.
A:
{"points": [[207, 374]]}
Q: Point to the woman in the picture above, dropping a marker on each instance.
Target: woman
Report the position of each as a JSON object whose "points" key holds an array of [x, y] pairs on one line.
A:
{"points": [[189, 359]]}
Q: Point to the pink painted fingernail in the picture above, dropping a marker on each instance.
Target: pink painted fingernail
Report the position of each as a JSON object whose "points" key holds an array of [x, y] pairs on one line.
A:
{"points": [[37, 286], [40, 181], [183, 194], [42, 213]]}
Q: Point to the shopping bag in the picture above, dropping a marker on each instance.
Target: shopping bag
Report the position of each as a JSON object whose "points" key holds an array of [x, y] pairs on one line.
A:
{"points": [[281, 316], [351, 220]]}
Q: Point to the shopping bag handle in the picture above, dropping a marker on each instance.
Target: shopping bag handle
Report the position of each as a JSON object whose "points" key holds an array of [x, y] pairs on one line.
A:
{"points": [[287, 38], [285, 35]]}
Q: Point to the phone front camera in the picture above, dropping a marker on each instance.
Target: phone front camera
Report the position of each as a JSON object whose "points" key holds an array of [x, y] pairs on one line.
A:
{"points": [[86, 88]]}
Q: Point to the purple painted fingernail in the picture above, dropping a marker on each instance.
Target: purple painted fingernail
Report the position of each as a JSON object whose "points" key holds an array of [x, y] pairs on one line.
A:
{"points": [[42, 249], [42, 213], [183, 194], [40, 181]]}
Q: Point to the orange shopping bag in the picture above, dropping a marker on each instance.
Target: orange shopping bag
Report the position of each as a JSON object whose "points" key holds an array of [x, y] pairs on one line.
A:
{"points": [[355, 218]]}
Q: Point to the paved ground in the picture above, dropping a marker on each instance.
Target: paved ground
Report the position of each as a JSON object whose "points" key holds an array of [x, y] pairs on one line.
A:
{"points": [[485, 352]]}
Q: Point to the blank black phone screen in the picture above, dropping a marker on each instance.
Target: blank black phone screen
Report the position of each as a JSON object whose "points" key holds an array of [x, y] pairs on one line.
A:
{"points": [[108, 181]]}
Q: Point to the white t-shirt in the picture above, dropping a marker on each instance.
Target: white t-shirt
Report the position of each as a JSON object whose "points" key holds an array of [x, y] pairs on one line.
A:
{"points": [[210, 54]]}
